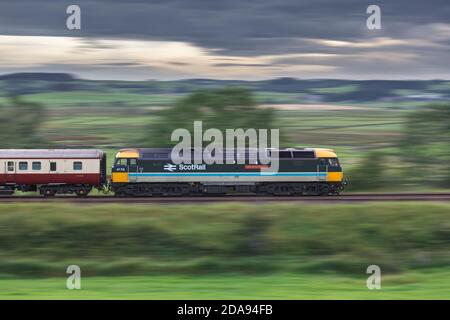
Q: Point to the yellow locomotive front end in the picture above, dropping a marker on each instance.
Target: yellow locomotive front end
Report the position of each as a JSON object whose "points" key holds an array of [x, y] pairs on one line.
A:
{"points": [[124, 163], [329, 163]]}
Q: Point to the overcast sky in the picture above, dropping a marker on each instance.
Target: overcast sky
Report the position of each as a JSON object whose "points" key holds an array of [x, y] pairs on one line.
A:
{"points": [[227, 39]]}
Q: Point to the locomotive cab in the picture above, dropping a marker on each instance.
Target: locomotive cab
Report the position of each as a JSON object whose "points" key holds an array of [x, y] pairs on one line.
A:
{"points": [[124, 164], [329, 166]]}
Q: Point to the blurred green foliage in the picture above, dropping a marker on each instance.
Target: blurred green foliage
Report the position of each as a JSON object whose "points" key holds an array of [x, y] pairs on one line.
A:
{"points": [[426, 144], [226, 108], [369, 174], [43, 239], [20, 124], [423, 152]]}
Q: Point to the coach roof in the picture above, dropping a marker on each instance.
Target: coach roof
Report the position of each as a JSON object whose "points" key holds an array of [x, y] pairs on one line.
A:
{"points": [[51, 154]]}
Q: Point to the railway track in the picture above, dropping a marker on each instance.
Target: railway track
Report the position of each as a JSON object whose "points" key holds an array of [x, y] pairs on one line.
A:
{"points": [[348, 197]]}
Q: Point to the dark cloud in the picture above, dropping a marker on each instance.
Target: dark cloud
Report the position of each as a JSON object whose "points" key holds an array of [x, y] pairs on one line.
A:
{"points": [[239, 28], [244, 27]]}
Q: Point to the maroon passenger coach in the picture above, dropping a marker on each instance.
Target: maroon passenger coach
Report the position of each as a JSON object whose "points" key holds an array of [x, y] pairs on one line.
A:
{"points": [[52, 171]]}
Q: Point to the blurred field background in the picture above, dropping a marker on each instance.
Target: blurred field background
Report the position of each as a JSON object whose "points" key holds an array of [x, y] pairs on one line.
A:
{"points": [[225, 251], [400, 129]]}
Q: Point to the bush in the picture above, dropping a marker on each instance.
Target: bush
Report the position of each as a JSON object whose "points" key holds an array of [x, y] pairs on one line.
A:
{"points": [[369, 174]]}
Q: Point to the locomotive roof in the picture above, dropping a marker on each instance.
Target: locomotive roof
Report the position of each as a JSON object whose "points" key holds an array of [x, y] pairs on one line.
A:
{"points": [[51, 153], [143, 153]]}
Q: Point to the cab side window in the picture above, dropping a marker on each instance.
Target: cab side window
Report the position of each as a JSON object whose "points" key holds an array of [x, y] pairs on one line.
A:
{"points": [[132, 164], [121, 162]]}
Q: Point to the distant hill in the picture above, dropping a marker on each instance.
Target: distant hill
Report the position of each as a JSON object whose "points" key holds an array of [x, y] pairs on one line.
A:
{"points": [[281, 90], [38, 76]]}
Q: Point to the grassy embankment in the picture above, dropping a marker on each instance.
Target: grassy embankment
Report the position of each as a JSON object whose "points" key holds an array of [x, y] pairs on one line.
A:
{"points": [[225, 251]]}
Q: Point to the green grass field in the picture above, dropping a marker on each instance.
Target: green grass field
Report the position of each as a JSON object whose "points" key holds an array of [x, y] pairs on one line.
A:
{"points": [[118, 98], [423, 284], [226, 251]]}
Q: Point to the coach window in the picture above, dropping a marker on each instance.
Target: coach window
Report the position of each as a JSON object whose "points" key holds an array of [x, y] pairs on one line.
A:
{"points": [[52, 166], [78, 165], [10, 166], [23, 165], [36, 166]]}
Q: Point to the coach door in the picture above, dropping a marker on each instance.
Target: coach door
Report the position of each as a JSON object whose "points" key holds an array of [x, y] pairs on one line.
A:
{"points": [[322, 169], [53, 167], [132, 168], [10, 171]]}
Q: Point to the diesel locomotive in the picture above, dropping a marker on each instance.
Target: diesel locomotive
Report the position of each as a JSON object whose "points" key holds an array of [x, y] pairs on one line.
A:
{"points": [[151, 172], [148, 172]]}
